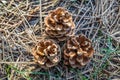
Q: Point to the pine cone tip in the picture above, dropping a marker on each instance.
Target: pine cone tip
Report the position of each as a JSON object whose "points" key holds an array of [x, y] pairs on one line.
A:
{"points": [[47, 53], [77, 51], [59, 24]]}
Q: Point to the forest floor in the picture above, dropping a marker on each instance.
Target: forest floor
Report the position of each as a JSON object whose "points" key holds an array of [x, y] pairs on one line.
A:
{"points": [[22, 24]]}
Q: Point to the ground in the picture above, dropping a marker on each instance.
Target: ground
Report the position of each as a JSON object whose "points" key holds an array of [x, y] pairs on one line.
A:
{"points": [[22, 25]]}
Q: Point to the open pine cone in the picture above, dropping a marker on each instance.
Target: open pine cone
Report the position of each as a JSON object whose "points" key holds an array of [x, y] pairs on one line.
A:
{"points": [[59, 24], [47, 53], [78, 51]]}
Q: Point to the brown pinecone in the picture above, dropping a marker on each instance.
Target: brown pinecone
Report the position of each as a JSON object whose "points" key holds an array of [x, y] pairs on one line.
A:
{"points": [[59, 24], [47, 53], [77, 51]]}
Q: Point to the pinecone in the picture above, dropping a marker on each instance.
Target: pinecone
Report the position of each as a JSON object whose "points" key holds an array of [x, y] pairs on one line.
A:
{"points": [[47, 53], [78, 51], [59, 24]]}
